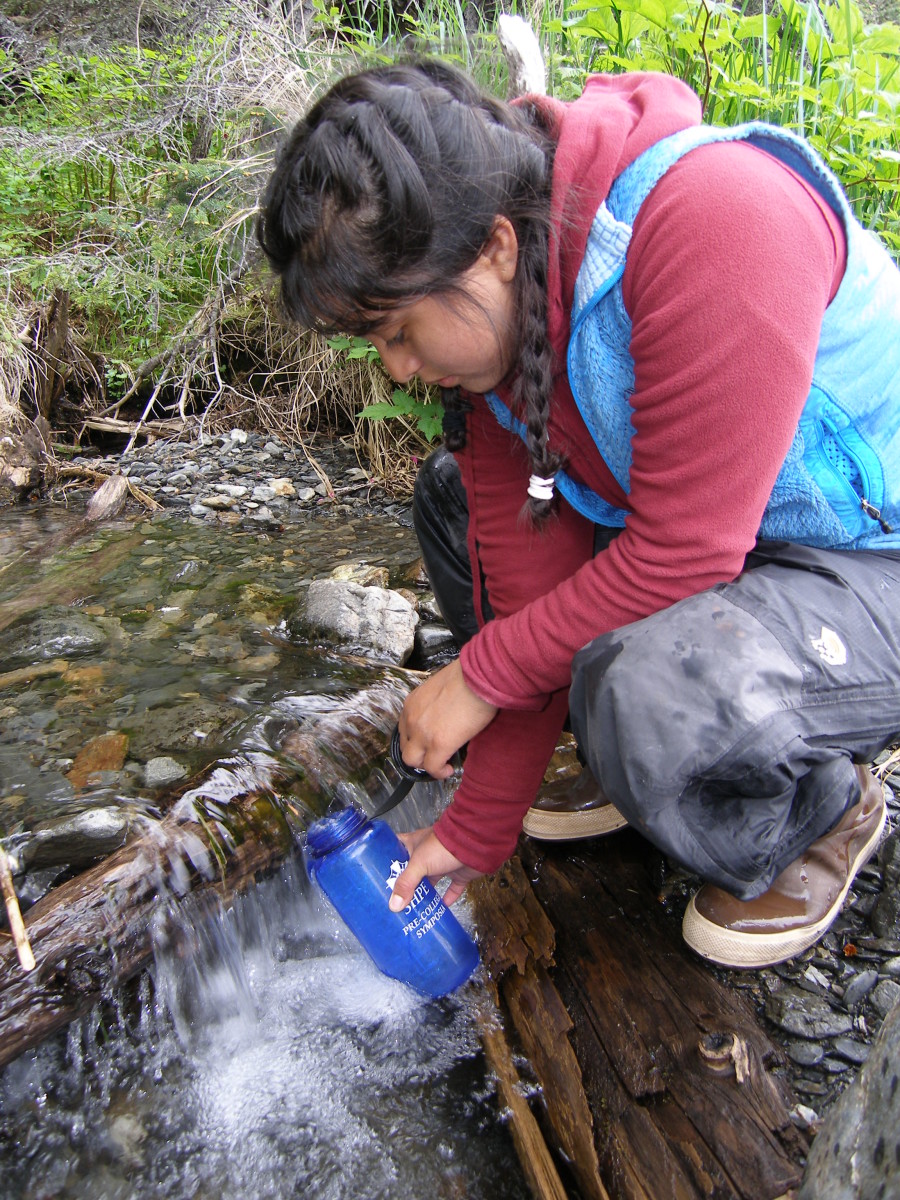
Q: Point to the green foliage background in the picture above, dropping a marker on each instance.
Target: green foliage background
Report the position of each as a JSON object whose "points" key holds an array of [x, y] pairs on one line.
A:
{"points": [[129, 173]]}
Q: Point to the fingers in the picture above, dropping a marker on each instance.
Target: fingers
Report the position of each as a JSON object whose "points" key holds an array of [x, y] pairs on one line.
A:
{"points": [[453, 892], [428, 755], [439, 717], [404, 887], [428, 858]]}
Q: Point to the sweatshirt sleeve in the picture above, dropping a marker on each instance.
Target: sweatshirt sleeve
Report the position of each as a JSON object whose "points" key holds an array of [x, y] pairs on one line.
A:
{"points": [[732, 264]]}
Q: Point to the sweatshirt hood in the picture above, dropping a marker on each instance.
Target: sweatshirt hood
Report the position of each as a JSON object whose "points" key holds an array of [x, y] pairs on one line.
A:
{"points": [[616, 118]]}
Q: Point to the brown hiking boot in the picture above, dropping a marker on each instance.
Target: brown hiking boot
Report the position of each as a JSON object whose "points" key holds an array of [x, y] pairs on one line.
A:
{"points": [[801, 903], [570, 809]]}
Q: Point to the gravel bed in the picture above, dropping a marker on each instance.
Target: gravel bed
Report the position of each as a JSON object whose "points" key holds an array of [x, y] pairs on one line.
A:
{"points": [[240, 477]]}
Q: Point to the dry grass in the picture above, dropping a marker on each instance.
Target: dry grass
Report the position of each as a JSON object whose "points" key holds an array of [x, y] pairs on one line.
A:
{"points": [[233, 361]]}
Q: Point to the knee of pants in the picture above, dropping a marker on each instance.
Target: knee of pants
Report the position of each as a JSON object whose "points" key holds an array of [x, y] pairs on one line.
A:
{"points": [[680, 694], [438, 495]]}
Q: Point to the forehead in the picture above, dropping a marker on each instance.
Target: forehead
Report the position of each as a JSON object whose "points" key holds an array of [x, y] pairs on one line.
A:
{"points": [[382, 320]]}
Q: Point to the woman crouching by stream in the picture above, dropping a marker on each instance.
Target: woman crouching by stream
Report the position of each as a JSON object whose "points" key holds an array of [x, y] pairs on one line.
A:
{"points": [[668, 504]]}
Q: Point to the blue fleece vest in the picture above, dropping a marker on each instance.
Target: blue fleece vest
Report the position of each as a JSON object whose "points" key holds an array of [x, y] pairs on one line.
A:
{"points": [[839, 485]]}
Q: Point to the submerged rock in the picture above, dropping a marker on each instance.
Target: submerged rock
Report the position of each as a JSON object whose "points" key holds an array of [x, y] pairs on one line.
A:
{"points": [[366, 618], [73, 841], [55, 633], [159, 772], [104, 753]]}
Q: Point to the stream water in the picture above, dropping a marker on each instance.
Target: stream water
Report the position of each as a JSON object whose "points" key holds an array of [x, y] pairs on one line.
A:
{"points": [[263, 1055]]}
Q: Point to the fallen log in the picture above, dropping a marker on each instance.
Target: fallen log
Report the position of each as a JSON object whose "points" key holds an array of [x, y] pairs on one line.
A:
{"points": [[534, 1154], [222, 831], [658, 1081]]}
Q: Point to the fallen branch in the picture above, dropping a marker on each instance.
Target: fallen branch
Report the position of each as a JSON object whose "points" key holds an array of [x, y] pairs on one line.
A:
{"points": [[149, 428], [14, 914]]}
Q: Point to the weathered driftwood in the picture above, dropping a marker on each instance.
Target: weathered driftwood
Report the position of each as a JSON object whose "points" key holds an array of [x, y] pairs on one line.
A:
{"points": [[150, 429], [94, 932], [655, 1077]]}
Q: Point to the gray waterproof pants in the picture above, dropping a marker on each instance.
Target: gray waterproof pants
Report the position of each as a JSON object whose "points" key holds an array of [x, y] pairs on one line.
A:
{"points": [[725, 727]]}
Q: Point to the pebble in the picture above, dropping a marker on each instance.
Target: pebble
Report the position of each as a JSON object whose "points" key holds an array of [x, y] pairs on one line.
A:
{"points": [[805, 1054], [257, 478], [806, 1015], [160, 771], [858, 988], [885, 996], [852, 1051]]}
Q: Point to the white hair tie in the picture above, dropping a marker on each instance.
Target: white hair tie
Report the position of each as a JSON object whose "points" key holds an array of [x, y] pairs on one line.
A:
{"points": [[541, 489]]}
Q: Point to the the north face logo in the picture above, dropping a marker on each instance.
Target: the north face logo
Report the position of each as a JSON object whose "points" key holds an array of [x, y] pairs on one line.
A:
{"points": [[830, 648]]}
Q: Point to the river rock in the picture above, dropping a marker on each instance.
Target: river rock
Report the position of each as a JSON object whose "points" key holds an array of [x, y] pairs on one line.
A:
{"points": [[435, 645], [362, 573], [858, 988], [104, 753], [856, 1153], [75, 840], [366, 618], [56, 633], [804, 1015], [160, 771], [885, 997], [181, 727]]}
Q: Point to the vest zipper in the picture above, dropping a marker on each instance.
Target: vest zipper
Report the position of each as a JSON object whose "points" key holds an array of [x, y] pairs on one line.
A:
{"points": [[867, 507], [875, 513]]}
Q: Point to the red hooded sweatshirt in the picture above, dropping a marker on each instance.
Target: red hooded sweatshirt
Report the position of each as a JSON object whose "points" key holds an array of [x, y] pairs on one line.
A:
{"points": [[732, 263]]}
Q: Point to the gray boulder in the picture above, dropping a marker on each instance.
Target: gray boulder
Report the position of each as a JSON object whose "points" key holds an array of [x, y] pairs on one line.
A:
{"points": [[856, 1154], [366, 619]]}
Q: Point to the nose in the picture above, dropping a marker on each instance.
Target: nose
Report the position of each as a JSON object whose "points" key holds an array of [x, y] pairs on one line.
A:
{"points": [[399, 362]]}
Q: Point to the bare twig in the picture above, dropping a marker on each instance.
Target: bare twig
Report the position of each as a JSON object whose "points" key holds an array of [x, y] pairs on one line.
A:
{"points": [[14, 913]]}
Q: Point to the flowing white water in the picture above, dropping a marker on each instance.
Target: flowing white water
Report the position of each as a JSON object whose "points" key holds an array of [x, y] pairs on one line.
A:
{"points": [[268, 1059]]}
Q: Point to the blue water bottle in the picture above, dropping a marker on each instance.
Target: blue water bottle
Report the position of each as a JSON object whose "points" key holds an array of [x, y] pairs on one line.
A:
{"points": [[355, 861]]}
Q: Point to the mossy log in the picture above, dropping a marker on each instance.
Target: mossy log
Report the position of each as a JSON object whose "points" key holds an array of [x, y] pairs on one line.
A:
{"points": [[222, 830], [657, 1080]]}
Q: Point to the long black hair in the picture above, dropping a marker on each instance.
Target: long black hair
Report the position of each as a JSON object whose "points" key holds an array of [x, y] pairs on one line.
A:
{"points": [[389, 189]]}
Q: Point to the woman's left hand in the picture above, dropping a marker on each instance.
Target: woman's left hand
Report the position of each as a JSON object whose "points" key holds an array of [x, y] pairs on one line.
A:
{"points": [[429, 857], [438, 718]]}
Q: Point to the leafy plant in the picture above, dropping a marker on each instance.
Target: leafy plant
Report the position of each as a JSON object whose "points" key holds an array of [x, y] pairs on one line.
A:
{"points": [[426, 415], [815, 68]]}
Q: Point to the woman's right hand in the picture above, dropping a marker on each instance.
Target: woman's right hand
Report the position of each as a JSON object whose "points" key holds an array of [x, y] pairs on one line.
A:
{"points": [[439, 717]]}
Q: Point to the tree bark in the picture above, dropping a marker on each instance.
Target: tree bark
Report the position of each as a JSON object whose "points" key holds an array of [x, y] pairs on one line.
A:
{"points": [[51, 335]]}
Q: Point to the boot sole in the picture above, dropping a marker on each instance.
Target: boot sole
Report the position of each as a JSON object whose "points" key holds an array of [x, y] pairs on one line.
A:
{"points": [[570, 826], [750, 951]]}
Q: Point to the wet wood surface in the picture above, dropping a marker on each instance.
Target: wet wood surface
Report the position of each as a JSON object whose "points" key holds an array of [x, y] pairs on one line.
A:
{"points": [[658, 1081], [95, 931]]}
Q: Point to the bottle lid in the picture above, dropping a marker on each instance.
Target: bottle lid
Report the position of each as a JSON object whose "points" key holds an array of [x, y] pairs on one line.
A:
{"points": [[331, 832]]}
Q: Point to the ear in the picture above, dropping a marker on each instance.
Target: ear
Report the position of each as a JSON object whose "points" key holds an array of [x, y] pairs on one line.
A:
{"points": [[501, 250]]}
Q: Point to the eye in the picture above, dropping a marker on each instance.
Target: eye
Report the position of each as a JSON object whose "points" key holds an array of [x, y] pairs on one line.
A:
{"points": [[397, 340]]}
